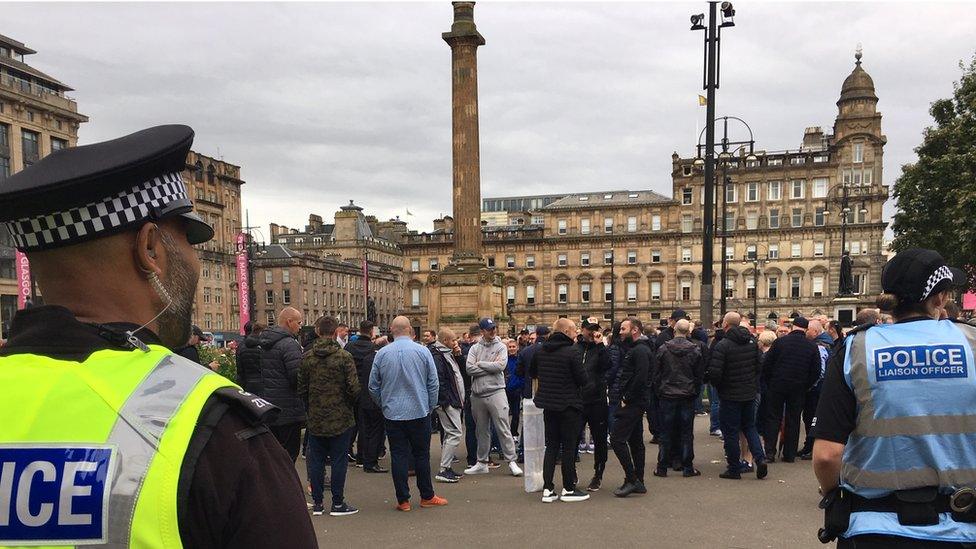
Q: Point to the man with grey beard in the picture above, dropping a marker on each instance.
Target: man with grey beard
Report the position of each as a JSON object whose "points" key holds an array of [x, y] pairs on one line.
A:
{"points": [[109, 231]]}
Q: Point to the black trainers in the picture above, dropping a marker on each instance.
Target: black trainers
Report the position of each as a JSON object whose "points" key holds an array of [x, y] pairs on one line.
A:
{"points": [[447, 475], [575, 495], [640, 489], [627, 489], [342, 510], [660, 472], [691, 473], [761, 469], [731, 475], [318, 509], [595, 483]]}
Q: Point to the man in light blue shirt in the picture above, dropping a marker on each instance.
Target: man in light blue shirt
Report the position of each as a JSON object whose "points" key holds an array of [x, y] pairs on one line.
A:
{"points": [[404, 383]]}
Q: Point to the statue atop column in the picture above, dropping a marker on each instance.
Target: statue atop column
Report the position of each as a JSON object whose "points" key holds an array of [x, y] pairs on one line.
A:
{"points": [[846, 285]]}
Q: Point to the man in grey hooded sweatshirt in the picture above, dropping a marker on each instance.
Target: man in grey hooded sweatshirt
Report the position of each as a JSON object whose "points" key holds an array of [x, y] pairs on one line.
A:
{"points": [[486, 364]]}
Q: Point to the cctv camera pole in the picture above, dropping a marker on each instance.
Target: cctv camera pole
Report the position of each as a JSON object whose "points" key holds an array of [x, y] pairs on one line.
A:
{"points": [[711, 66]]}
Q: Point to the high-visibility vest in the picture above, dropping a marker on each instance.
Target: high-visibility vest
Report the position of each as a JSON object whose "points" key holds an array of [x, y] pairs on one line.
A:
{"points": [[90, 452], [915, 385]]}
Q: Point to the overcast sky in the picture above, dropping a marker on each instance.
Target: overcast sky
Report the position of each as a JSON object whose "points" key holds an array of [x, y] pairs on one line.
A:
{"points": [[323, 103]]}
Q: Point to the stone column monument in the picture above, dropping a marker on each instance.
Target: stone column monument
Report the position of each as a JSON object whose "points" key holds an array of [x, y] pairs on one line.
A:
{"points": [[466, 289]]}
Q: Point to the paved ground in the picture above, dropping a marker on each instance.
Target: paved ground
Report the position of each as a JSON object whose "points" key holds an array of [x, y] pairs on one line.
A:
{"points": [[494, 510]]}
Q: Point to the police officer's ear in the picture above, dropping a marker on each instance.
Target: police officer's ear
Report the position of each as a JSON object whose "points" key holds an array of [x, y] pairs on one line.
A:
{"points": [[148, 251]]}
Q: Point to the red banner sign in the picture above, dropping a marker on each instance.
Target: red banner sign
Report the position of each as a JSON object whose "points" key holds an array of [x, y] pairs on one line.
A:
{"points": [[243, 282], [23, 279]]}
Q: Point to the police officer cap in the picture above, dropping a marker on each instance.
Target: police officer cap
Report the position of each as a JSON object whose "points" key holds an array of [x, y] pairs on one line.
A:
{"points": [[915, 273], [83, 193]]}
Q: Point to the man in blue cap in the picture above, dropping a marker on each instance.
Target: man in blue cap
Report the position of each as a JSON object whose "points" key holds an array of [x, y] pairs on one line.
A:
{"points": [[486, 364]]}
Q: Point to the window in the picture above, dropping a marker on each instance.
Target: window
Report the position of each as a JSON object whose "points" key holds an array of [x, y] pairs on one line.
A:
{"points": [[751, 287], [538, 220], [864, 246], [798, 160], [608, 258], [631, 292], [772, 287], [686, 196], [795, 249], [751, 251], [867, 177], [584, 226], [304, 296], [686, 255], [753, 163], [858, 153], [58, 144], [820, 187], [585, 292], [818, 216], [774, 251], [510, 261], [206, 295], [286, 296], [774, 190], [285, 276], [655, 222], [434, 265], [820, 158], [584, 259], [774, 162], [219, 296], [530, 261], [268, 277], [490, 260], [415, 297], [818, 249], [686, 223], [656, 290], [730, 193], [530, 294], [632, 258], [862, 216], [631, 224], [818, 283], [561, 291], [205, 269], [797, 217], [607, 292], [608, 225], [794, 286], [655, 256], [729, 223], [561, 260], [561, 226], [198, 171], [730, 252], [855, 247], [729, 286], [685, 289], [774, 218], [752, 220], [796, 188], [30, 147], [269, 297], [208, 321], [271, 318], [30, 116], [860, 283], [415, 265], [752, 191]]}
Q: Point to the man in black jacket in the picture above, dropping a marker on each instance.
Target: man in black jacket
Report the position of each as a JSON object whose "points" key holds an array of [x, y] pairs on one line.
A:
{"points": [[560, 372], [734, 371], [450, 399], [792, 368], [281, 359], [369, 417], [627, 437], [677, 380], [249, 360], [595, 408]]}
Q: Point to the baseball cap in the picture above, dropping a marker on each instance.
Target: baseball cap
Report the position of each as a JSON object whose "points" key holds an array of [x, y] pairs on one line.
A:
{"points": [[915, 273], [801, 322], [678, 314], [590, 324], [486, 324], [542, 331], [197, 331]]}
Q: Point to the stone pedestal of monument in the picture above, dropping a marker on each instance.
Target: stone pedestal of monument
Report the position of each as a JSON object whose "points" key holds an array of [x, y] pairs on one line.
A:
{"points": [[463, 293], [845, 309]]}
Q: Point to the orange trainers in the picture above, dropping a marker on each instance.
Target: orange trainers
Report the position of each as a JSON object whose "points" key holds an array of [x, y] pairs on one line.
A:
{"points": [[405, 506], [435, 501]]}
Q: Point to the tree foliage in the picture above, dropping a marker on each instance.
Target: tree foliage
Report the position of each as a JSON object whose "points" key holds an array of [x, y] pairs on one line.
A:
{"points": [[936, 195]]}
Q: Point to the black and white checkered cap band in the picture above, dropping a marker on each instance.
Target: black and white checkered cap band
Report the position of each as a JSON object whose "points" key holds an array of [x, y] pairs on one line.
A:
{"points": [[82, 223], [940, 274]]}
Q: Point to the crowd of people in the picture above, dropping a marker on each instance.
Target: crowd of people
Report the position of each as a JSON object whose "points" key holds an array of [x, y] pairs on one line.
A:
{"points": [[597, 386]]}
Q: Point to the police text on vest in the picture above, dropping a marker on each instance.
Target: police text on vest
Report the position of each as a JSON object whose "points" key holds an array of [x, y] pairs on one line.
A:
{"points": [[920, 362]]}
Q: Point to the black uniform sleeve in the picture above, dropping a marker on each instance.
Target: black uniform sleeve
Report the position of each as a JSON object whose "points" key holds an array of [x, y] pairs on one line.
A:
{"points": [[239, 487], [837, 409]]}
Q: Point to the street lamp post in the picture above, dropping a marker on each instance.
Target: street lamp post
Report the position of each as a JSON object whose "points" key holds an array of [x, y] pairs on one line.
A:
{"points": [[713, 34], [613, 286], [757, 263], [844, 201]]}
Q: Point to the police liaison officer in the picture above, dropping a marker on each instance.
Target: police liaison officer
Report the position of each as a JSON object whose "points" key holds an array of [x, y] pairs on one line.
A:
{"points": [[107, 437], [895, 449]]}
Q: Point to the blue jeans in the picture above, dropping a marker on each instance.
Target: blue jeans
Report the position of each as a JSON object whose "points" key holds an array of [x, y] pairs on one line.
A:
{"points": [[336, 448], [410, 445], [682, 412], [713, 417], [699, 405], [736, 417]]}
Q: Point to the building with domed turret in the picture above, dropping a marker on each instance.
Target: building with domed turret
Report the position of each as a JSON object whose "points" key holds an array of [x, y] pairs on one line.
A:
{"points": [[789, 213]]}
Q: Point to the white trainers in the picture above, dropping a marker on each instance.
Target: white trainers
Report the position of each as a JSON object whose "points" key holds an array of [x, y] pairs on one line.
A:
{"points": [[516, 470], [477, 469], [549, 496]]}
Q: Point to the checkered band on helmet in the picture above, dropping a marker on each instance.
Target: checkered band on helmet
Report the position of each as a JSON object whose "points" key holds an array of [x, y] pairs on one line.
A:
{"points": [[940, 274], [124, 208]]}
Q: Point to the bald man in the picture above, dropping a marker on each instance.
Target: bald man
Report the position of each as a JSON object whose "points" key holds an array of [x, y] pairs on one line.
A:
{"points": [[281, 358]]}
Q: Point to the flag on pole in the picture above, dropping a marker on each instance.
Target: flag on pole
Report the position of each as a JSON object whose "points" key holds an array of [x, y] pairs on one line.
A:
{"points": [[702, 101]]}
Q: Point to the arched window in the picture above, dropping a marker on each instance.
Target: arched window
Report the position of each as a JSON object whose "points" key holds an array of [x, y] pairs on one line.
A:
{"points": [[198, 171], [211, 173]]}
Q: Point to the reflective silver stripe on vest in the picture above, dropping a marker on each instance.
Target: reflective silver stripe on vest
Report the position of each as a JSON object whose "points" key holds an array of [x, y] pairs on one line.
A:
{"points": [[137, 432], [907, 479]]}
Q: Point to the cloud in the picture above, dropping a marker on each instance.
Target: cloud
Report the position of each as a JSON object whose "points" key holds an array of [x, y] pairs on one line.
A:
{"points": [[323, 103]]}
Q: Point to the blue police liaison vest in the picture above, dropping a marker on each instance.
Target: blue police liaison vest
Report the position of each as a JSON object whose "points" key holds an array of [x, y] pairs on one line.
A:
{"points": [[915, 385]]}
